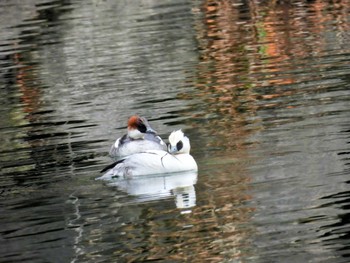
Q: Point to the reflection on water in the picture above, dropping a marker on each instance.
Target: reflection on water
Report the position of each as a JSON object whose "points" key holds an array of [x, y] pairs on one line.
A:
{"points": [[181, 186], [261, 88]]}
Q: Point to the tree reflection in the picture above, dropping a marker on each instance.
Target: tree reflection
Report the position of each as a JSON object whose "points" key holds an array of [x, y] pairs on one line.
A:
{"points": [[251, 55], [253, 52]]}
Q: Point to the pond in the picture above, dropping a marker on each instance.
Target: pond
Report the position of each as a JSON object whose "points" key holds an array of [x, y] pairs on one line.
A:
{"points": [[261, 88]]}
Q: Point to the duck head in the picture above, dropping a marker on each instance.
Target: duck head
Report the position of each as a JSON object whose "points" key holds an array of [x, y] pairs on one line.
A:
{"points": [[138, 126], [178, 143]]}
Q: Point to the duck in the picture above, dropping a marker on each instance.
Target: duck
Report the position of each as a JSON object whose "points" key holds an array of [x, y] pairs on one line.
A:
{"points": [[176, 159], [139, 138]]}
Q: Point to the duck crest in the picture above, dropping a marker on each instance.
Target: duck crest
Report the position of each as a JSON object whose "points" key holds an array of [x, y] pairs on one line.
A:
{"points": [[175, 137], [133, 121]]}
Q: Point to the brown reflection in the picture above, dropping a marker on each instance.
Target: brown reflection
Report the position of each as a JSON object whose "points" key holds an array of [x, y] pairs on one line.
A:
{"points": [[34, 144], [216, 229], [30, 94], [22, 103], [251, 54], [248, 45]]}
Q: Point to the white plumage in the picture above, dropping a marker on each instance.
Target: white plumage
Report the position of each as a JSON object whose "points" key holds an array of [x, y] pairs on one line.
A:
{"points": [[178, 159]]}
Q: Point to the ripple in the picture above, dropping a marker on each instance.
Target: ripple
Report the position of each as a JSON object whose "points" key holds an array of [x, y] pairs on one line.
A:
{"points": [[261, 89]]}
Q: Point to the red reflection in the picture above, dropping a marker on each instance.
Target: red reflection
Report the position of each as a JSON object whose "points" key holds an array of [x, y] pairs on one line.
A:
{"points": [[248, 45], [252, 53], [30, 94]]}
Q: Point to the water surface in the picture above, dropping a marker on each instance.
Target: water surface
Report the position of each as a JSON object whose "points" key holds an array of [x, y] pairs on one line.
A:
{"points": [[261, 89]]}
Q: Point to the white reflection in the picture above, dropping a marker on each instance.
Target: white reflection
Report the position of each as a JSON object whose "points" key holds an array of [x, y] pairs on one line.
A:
{"points": [[150, 188], [185, 197]]}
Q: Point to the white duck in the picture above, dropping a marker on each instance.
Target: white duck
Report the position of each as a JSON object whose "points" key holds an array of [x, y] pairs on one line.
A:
{"points": [[140, 137], [177, 159]]}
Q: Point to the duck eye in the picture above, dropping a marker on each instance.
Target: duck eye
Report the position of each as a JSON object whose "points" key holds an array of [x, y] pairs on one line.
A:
{"points": [[179, 145]]}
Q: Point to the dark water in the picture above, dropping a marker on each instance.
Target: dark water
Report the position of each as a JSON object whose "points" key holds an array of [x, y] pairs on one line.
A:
{"points": [[261, 89]]}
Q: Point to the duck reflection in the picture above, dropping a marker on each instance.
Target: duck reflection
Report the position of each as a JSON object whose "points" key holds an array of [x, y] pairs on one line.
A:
{"points": [[157, 187]]}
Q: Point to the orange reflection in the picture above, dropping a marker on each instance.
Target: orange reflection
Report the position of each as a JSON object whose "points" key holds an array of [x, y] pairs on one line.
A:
{"points": [[214, 231], [251, 55], [30, 95], [260, 44], [245, 46]]}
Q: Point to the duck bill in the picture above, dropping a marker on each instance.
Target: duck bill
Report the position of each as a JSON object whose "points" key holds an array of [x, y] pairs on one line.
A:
{"points": [[148, 127], [150, 130], [172, 150]]}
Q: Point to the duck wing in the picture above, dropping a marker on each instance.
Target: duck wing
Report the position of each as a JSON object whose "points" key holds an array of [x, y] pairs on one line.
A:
{"points": [[112, 165]]}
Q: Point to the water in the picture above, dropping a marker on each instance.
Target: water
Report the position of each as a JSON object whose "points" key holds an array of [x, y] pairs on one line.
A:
{"points": [[261, 89]]}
